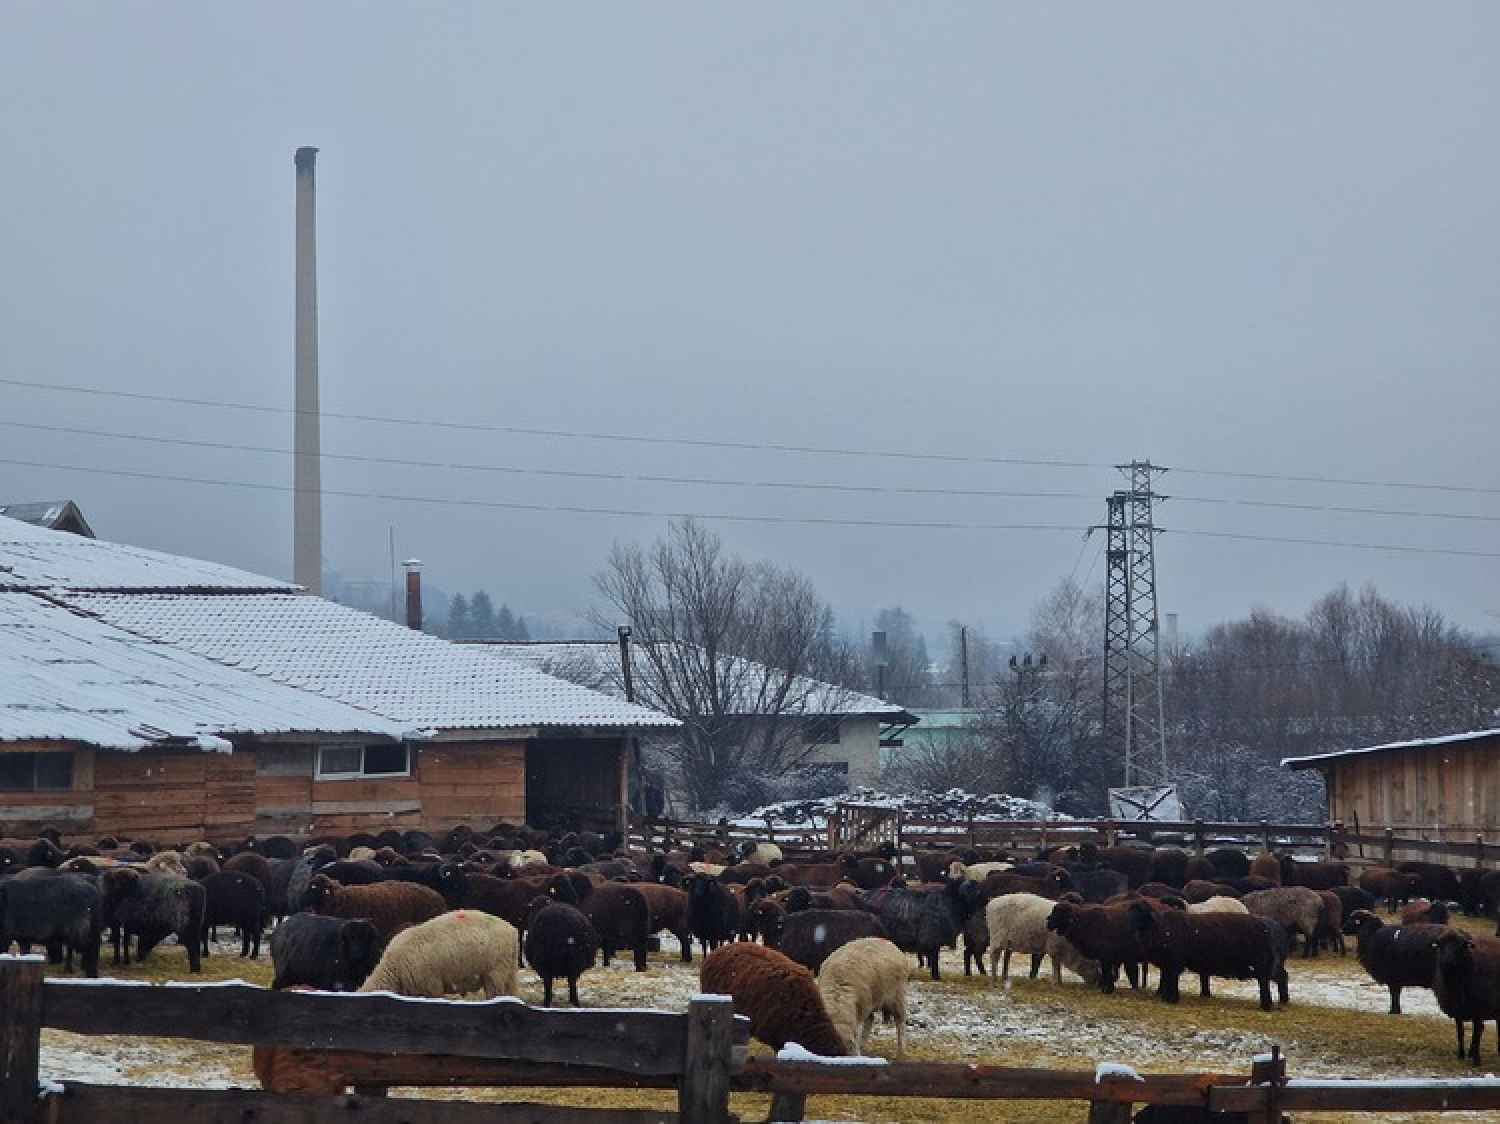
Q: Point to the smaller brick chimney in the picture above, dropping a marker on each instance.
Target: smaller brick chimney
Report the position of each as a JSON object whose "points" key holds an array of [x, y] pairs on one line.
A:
{"points": [[413, 593]]}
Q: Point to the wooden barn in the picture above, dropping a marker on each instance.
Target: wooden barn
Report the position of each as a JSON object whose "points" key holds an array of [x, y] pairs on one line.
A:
{"points": [[1444, 785], [151, 696]]}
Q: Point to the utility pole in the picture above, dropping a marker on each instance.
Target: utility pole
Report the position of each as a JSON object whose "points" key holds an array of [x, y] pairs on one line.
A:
{"points": [[1134, 720]]}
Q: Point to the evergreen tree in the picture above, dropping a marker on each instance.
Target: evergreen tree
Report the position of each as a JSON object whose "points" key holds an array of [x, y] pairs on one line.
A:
{"points": [[482, 617], [458, 618]]}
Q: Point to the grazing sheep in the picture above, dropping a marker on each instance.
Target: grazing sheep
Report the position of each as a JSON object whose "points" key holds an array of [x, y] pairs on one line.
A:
{"points": [[1425, 910], [811, 936], [232, 897], [1395, 955], [1331, 921], [1437, 881], [923, 921], [1297, 909], [455, 953], [779, 996], [713, 913], [151, 907], [1467, 984], [670, 911], [1211, 944], [862, 979], [560, 944], [1063, 953], [389, 906], [1392, 887], [327, 953], [62, 909], [1102, 933], [1315, 876]]}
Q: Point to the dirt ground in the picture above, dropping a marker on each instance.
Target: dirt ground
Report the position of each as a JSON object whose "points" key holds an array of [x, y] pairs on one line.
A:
{"points": [[1336, 1026]]}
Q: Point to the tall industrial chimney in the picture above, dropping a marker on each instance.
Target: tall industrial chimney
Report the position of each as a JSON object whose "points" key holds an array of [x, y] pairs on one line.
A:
{"points": [[307, 511]]}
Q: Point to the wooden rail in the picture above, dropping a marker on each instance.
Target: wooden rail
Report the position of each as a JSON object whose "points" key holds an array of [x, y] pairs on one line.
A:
{"points": [[374, 1042], [860, 827]]}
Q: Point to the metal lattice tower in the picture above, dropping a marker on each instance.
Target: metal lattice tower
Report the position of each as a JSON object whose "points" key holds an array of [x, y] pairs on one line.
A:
{"points": [[1134, 722]]}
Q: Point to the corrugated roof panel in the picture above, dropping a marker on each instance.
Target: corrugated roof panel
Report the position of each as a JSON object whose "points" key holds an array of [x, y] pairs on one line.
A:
{"points": [[341, 653], [67, 677]]}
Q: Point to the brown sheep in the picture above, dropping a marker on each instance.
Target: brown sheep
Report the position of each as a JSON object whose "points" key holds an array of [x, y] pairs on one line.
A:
{"points": [[619, 912], [779, 996], [389, 906], [1390, 887]]}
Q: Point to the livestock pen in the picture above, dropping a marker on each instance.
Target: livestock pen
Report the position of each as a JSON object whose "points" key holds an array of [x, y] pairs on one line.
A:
{"points": [[369, 1043]]}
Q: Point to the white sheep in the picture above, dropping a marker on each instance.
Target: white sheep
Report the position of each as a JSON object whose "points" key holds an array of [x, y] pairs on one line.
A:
{"points": [[520, 860], [859, 980], [458, 952], [1018, 923], [361, 854], [975, 872], [759, 852], [167, 862], [1219, 903]]}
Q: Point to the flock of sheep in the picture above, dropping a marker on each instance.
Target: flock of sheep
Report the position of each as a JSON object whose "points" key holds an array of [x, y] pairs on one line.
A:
{"points": [[813, 948]]}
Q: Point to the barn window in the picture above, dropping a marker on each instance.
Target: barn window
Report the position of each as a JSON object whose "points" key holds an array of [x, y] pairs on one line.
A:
{"points": [[350, 762], [36, 772]]}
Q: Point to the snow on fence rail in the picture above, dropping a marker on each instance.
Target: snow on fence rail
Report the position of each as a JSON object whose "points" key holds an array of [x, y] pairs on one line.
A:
{"points": [[373, 1042]]}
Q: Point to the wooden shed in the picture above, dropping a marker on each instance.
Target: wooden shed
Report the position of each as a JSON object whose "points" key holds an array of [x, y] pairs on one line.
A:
{"points": [[1443, 785], [152, 696]]}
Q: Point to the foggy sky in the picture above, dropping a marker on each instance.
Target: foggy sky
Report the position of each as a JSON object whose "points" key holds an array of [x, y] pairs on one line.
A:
{"points": [[852, 275]]}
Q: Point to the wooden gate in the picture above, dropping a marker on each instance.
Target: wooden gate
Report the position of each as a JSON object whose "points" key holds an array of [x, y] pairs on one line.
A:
{"points": [[862, 827]]}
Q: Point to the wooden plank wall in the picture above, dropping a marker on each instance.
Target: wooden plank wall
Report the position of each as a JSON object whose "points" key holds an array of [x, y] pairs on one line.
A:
{"points": [[477, 784]]}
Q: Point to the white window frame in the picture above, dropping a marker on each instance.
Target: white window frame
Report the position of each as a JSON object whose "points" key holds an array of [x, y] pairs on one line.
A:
{"points": [[360, 774]]}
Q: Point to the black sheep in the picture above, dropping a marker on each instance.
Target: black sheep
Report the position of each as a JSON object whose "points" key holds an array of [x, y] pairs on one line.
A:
{"points": [[808, 937], [1395, 955], [1435, 881], [151, 907], [923, 921], [59, 910], [1467, 983], [713, 914], [1235, 945], [618, 911], [328, 953], [232, 897], [560, 944]]}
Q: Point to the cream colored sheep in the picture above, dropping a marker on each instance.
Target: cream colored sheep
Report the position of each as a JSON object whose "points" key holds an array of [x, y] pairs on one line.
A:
{"points": [[1219, 903], [520, 860], [167, 862], [454, 953], [361, 854], [859, 980], [1017, 923], [975, 872], [1064, 954]]}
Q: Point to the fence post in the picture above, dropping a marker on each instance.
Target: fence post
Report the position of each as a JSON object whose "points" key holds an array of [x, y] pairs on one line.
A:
{"points": [[1390, 845], [1270, 1071], [1198, 837], [1109, 1112], [21, 1038], [1265, 835], [704, 1093], [1479, 849]]}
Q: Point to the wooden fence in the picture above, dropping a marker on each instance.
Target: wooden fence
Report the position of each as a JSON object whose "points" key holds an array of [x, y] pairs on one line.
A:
{"points": [[863, 827], [374, 1042]]}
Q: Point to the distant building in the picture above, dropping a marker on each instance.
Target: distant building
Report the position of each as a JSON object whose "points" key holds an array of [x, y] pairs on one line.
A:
{"points": [[844, 730], [937, 732], [55, 515]]}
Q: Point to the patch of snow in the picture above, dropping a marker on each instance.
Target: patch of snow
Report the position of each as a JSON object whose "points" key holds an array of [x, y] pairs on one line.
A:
{"points": [[793, 1052], [1115, 1069]]}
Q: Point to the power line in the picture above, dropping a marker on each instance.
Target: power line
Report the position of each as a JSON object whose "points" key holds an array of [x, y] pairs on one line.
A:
{"points": [[746, 446]]}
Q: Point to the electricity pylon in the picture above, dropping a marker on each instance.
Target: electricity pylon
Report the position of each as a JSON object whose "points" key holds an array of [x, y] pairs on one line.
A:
{"points": [[1134, 722]]}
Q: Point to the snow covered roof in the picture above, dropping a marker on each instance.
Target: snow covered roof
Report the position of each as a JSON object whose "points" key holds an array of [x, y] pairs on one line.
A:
{"points": [[361, 659], [35, 558], [67, 677], [1316, 759], [596, 663], [249, 625]]}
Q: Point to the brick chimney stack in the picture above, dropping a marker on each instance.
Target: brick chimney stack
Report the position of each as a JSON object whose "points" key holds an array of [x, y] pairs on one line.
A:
{"points": [[413, 594]]}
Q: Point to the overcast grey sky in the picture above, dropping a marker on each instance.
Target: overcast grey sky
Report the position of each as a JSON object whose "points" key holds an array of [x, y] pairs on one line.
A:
{"points": [[883, 292]]}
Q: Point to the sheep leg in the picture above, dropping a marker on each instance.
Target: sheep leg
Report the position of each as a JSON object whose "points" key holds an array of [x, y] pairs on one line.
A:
{"points": [[640, 956], [1264, 980], [1203, 991], [1005, 965], [573, 991], [685, 943], [547, 991], [1395, 990], [1458, 1026], [1036, 964], [1478, 1033]]}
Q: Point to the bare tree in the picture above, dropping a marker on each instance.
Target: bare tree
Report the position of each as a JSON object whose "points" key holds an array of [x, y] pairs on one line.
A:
{"points": [[743, 653]]}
